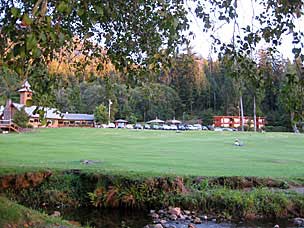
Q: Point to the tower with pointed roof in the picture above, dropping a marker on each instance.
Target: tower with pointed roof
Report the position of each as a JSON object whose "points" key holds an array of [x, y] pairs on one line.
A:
{"points": [[25, 93]]}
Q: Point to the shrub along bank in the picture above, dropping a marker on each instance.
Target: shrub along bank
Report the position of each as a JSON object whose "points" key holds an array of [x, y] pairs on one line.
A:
{"points": [[227, 197]]}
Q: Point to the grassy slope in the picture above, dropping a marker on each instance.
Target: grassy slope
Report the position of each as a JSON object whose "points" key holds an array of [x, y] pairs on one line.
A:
{"points": [[156, 152], [15, 215]]}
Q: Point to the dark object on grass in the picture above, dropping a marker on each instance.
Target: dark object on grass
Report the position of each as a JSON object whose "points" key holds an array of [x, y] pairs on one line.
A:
{"points": [[238, 143], [89, 162]]}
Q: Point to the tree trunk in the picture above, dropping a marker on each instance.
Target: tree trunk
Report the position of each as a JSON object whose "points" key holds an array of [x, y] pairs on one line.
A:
{"points": [[242, 112], [254, 114], [293, 123]]}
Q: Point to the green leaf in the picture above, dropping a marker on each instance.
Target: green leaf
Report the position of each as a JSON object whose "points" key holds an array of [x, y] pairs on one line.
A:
{"points": [[26, 19], [80, 12], [99, 10], [31, 41], [42, 37], [17, 50], [15, 11], [61, 38], [36, 52], [53, 36], [62, 7], [19, 70]]}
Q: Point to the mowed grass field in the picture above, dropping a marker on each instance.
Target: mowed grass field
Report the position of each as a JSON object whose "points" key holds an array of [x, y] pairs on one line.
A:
{"points": [[155, 152]]}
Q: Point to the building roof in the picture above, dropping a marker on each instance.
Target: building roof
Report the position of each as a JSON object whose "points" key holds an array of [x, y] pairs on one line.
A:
{"points": [[50, 113], [25, 90], [156, 121], [73, 116], [53, 113], [174, 121], [121, 121], [26, 87]]}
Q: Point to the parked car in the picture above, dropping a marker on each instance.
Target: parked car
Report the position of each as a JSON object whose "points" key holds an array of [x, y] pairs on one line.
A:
{"points": [[155, 127], [181, 127], [147, 126], [121, 125], [191, 127], [210, 127], [197, 126], [161, 127], [111, 125], [186, 127], [138, 126], [166, 127], [227, 129], [129, 126], [205, 128], [173, 127]]}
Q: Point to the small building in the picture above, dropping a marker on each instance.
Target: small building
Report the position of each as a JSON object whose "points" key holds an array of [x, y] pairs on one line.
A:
{"points": [[76, 120], [120, 123], [54, 118], [236, 122]]}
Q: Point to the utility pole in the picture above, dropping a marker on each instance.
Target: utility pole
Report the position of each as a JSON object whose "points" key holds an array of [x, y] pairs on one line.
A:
{"points": [[254, 114], [242, 112], [110, 102]]}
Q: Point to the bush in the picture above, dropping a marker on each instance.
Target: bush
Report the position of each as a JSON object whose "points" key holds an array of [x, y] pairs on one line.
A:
{"points": [[101, 114], [207, 116], [276, 129], [107, 191], [21, 118]]}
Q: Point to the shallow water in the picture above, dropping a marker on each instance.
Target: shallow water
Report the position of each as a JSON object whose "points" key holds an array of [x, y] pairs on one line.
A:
{"points": [[105, 218], [252, 224], [101, 218]]}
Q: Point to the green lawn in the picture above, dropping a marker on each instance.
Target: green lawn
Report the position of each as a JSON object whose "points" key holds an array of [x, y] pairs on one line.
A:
{"points": [[155, 152]]}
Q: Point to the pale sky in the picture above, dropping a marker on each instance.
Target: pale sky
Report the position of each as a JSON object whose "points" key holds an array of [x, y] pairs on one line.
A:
{"points": [[202, 42]]}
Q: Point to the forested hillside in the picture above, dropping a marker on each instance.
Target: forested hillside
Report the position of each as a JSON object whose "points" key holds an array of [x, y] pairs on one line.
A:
{"points": [[78, 55], [191, 89]]}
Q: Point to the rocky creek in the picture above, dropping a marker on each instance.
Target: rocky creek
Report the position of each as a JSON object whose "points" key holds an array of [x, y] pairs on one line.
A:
{"points": [[227, 201], [114, 218]]}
